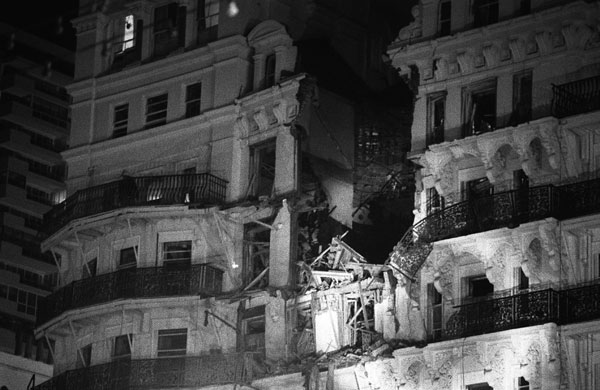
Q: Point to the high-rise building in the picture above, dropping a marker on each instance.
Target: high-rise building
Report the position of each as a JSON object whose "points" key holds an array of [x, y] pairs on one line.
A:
{"points": [[34, 126], [501, 268]]}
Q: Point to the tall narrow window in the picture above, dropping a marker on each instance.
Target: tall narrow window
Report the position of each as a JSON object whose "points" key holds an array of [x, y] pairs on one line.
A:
{"points": [[122, 347], [169, 28], [436, 111], [192, 99], [522, 384], [485, 12], [479, 108], [127, 257], [177, 253], [595, 274], [522, 279], [435, 312], [156, 111], [84, 356], [522, 96], [208, 20], [270, 70], [128, 33], [172, 342], [253, 329], [89, 269], [262, 174], [445, 18], [435, 202], [120, 120]]}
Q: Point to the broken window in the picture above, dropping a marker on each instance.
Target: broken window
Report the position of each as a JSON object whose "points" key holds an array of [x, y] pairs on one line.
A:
{"points": [[479, 108], [522, 92], [127, 257], [120, 120], [253, 329], [485, 12], [270, 70], [169, 28], [208, 20], [172, 342], [436, 312], [192, 99], [262, 174], [445, 18], [122, 347], [156, 110], [177, 254], [436, 111], [257, 239], [84, 356], [89, 269]]}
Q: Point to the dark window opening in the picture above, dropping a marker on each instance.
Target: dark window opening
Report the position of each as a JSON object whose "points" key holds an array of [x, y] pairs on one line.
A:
{"points": [[253, 327], [478, 188], [122, 347], [522, 98], [445, 18], [177, 254], [208, 20], [120, 120], [262, 175], [84, 357], [172, 342], [523, 280], [127, 257], [156, 111], [436, 106], [89, 269], [270, 70], [169, 28], [257, 239], [435, 202], [480, 286], [192, 100], [485, 12], [435, 312]]}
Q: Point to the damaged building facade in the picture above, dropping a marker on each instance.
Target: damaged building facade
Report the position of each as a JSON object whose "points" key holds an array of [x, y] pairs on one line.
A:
{"points": [[500, 270]]}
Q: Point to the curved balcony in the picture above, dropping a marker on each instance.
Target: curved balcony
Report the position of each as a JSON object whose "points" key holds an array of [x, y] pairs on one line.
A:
{"points": [[505, 209], [576, 97], [502, 312], [161, 373], [132, 283], [202, 188]]}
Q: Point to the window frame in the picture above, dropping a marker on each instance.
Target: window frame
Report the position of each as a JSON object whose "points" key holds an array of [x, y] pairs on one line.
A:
{"points": [[270, 70], [470, 94], [435, 133], [193, 105], [88, 271], [116, 343], [156, 115], [84, 356], [120, 125], [171, 333], [445, 24], [130, 264], [184, 261]]}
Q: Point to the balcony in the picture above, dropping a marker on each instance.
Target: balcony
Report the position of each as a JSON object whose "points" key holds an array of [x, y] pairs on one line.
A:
{"points": [[576, 97], [567, 306], [506, 209], [132, 283], [161, 373], [202, 188]]}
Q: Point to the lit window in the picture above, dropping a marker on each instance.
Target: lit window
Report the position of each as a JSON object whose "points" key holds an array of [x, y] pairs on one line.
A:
{"points": [[120, 120], [172, 342], [84, 356], [128, 33], [122, 347], [177, 253], [156, 111], [192, 100], [127, 257]]}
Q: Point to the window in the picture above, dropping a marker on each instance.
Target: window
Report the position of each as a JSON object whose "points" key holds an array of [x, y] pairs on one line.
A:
{"points": [[253, 326], [89, 269], [595, 274], [122, 347], [479, 108], [485, 12], [480, 286], [436, 110], [38, 195], [270, 70], [26, 301], [522, 92], [208, 20], [172, 342], [477, 189], [445, 18], [177, 253], [522, 384], [192, 100], [523, 280], [480, 386], [128, 33], [128, 257], [129, 41], [435, 202], [84, 356], [262, 175], [435, 312], [169, 28], [120, 120], [156, 111]]}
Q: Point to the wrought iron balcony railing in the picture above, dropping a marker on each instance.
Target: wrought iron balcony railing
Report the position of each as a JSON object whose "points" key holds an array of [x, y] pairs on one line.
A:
{"points": [[161, 373], [566, 306], [505, 209], [130, 283], [202, 188], [576, 97]]}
